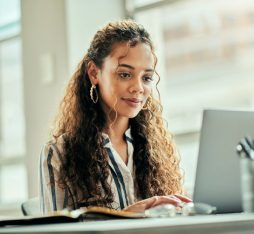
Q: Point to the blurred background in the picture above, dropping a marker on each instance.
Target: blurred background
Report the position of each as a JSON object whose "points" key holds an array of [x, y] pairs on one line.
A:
{"points": [[206, 60]]}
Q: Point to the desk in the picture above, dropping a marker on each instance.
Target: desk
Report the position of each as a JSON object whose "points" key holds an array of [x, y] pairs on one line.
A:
{"points": [[213, 224]]}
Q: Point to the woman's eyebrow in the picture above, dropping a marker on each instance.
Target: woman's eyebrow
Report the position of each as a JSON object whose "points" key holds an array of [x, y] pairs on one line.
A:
{"points": [[133, 68]]}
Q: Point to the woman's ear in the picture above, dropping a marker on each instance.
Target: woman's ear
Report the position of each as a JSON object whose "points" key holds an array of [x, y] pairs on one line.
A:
{"points": [[93, 71]]}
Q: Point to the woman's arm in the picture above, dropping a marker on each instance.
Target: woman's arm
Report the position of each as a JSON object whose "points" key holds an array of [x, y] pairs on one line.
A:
{"points": [[52, 196]]}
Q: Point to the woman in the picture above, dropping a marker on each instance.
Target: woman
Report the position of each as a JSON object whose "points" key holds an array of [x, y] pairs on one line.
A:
{"points": [[110, 146]]}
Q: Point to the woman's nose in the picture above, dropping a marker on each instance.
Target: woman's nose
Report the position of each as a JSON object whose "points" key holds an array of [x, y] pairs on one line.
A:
{"points": [[136, 86]]}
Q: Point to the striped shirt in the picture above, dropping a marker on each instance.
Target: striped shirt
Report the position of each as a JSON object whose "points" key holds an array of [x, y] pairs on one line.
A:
{"points": [[121, 179]]}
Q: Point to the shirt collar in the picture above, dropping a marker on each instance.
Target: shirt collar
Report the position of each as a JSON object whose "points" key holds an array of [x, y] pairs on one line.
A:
{"points": [[107, 142], [128, 136]]}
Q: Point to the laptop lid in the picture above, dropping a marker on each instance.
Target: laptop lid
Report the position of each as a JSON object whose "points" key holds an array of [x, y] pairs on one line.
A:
{"points": [[218, 171]]}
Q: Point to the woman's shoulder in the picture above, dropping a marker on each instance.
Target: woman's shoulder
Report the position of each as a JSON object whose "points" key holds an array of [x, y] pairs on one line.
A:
{"points": [[52, 151]]}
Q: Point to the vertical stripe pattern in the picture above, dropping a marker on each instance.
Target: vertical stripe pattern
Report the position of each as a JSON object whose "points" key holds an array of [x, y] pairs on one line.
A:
{"points": [[53, 197], [42, 204], [52, 179], [118, 187], [118, 173]]}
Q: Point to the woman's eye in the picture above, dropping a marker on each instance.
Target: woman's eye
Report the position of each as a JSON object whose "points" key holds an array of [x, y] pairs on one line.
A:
{"points": [[124, 75], [148, 78]]}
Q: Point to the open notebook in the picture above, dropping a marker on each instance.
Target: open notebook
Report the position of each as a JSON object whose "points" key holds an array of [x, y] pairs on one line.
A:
{"points": [[65, 216]]}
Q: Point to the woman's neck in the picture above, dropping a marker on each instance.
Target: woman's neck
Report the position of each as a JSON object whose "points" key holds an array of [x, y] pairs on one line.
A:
{"points": [[116, 130]]}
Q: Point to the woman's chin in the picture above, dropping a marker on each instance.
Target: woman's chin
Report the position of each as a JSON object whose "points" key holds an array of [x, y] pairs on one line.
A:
{"points": [[132, 114]]}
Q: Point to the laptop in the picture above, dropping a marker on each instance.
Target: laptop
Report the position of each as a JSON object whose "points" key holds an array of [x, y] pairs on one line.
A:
{"points": [[218, 169]]}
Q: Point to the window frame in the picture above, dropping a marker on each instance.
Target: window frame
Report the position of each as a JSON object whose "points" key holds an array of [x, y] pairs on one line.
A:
{"points": [[12, 207]]}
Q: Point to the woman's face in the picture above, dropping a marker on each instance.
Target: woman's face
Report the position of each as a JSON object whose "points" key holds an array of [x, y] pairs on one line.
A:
{"points": [[125, 80]]}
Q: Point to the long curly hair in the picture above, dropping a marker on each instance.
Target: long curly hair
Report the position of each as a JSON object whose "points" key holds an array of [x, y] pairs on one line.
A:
{"points": [[85, 167]]}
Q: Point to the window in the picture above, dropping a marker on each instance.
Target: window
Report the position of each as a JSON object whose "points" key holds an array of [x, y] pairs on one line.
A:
{"points": [[13, 180], [206, 54]]}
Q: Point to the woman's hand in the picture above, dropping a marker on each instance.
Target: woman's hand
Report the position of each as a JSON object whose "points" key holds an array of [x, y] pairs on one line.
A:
{"points": [[143, 205]]}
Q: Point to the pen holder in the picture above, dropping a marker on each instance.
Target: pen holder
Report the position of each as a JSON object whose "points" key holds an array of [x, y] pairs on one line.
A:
{"points": [[247, 184]]}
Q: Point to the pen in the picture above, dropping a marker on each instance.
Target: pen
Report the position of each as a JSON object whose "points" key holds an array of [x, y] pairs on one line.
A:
{"points": [[245, 146]]}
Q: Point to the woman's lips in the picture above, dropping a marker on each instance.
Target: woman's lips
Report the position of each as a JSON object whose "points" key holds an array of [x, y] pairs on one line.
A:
{"points": [[133, 102]]}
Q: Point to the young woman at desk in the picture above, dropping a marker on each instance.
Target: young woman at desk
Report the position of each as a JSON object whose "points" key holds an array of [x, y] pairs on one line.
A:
{"points": [[109, 144]]}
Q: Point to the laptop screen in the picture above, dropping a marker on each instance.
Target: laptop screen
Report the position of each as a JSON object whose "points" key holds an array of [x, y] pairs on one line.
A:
{"points": [[218, 169]]}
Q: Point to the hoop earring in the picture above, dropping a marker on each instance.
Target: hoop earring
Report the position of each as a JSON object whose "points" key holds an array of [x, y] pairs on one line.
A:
{"points": [[92, 91], [148, 104]]}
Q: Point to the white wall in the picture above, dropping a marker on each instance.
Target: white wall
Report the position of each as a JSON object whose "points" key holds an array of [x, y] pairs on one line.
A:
{"points": [[43, 34], [55, 36]]}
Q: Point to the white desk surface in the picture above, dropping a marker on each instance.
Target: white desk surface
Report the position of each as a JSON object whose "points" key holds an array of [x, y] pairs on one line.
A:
{"points": [[226, 223]]}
